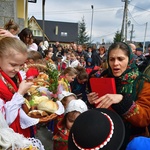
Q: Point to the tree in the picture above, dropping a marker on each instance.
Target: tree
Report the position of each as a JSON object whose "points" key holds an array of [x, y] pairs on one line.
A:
{"points": [[117, 37], [83, 37]]}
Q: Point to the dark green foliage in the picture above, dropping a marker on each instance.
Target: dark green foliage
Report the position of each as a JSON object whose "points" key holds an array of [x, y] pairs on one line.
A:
{"points": [[117, 37], [83, 37]]}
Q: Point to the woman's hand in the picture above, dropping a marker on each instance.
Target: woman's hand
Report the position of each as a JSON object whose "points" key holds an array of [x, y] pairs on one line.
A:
{"points": [[24, 87], [107, 100], [92, 97]]}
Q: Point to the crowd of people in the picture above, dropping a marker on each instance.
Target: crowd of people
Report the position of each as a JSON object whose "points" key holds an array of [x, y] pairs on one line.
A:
{"points": [[83, 119]]}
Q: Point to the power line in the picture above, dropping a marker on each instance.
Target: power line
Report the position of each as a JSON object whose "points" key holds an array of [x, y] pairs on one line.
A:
{"points": [[140, 8], [106, 34], [75, 11], [135, 20], [140, 14]]}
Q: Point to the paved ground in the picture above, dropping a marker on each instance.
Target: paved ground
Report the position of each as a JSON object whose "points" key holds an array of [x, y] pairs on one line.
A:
{"points": [[45, 137]]}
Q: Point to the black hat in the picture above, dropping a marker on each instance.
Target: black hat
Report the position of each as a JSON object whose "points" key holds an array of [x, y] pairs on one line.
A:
{"points": [[97, 129], [59, 56]]}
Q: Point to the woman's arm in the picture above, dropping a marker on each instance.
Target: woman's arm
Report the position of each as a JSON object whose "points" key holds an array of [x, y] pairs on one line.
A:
{"points": [[139, 112]]}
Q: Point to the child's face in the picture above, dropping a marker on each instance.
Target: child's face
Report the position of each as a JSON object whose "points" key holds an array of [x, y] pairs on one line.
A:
{"points": [[71, 117], [89, 63], [50, 49], [89, 50], [73, 57], [82, 81], [101, 50], [70, 78], [50, 54], [30, 61], [11, 65], [66, 101], [59, 60], [68, 57], [14, 32], [82, 59]]}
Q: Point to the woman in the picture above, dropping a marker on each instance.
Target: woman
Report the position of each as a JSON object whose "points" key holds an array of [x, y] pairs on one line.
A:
{"points": [[132, 101], [26, 36]]}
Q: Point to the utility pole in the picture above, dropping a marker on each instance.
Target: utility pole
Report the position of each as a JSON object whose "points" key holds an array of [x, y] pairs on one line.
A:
{"points": [[122, 28], [91, 24], [43, 17], [131, 33], [124, 21], [145, 37]]}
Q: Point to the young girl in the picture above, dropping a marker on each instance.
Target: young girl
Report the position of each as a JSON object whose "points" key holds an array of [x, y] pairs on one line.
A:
{"points": [[66, 77], [73, 110], [65, 97], [66, 62], [12, 27], [48, 56], [13, 54], [34, 57], [74, 61]]}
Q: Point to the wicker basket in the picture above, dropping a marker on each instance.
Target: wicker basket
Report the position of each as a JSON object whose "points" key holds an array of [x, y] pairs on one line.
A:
{"points": [[52, 74]]}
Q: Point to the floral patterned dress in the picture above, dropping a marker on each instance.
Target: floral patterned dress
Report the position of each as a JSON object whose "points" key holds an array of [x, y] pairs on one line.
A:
{"points": [[60, 139]]}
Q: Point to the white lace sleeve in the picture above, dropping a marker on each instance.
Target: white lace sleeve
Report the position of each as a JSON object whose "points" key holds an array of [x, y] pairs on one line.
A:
{"points": [[15, 141], [26, 121], [12, 107], [23, 74], [37, 143]]}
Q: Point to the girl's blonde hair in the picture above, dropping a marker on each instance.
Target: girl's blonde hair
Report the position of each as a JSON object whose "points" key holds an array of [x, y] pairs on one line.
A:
{"points": [[35, 56], [70, 71], [10, 44]]}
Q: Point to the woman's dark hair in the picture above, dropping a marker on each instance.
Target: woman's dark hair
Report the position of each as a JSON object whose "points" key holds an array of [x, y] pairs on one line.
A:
{"points": [[25, 33], [47, 52], [120, 45]]}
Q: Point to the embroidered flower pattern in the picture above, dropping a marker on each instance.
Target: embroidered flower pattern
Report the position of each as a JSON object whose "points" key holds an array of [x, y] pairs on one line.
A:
{"points": [[127, 81], [132, 111]]}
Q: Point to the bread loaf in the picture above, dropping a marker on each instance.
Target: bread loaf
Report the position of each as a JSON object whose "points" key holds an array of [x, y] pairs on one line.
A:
{"points": [[33, 90], [48, 106], [37, 114]]}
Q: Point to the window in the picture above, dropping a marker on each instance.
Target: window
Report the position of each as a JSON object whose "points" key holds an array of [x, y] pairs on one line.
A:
{"points": [[34, 32], [38, 32], [64, 34]]}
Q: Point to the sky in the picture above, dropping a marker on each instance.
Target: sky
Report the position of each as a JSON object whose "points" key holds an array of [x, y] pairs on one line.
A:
{"points": [[107, 16]]}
